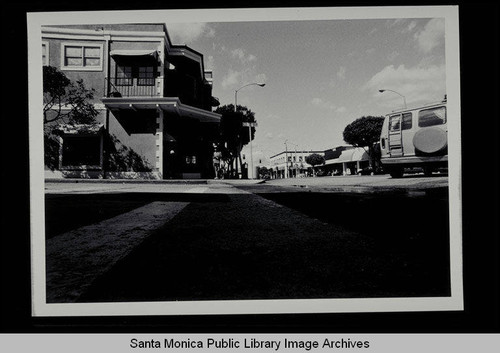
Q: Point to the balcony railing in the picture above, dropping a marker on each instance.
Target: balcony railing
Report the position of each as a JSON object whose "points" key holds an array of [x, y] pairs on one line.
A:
{"points": [[133, 87]]}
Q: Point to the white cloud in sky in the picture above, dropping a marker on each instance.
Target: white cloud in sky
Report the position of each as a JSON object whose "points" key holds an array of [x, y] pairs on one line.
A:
{"points": [[231, 78], [417, 84], [431, 36], [318, 102], [184, 33], [209, 63], [241, 55], [392, 56], [341, 73], [411, 26], [235, 78]]}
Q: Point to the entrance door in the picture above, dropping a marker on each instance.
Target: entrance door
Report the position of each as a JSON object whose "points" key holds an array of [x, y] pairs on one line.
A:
{"points": [[395, 141]]}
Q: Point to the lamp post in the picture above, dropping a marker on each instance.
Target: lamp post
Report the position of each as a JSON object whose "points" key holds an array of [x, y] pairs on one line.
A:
{"points": [[399, 94], [249, 124], [236, 91]]}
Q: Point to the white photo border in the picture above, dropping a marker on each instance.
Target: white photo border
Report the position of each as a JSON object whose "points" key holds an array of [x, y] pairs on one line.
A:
{"points": [[39, 306]]}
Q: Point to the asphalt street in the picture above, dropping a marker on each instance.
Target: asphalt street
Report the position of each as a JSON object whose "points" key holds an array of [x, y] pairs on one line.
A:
{"points": [[330, 237]]}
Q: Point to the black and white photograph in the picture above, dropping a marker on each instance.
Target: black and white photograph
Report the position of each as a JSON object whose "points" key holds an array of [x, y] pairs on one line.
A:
{"points": [[237, 161]]}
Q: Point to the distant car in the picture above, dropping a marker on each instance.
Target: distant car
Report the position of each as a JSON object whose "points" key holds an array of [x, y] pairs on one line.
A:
{"points": [[370, 171]]}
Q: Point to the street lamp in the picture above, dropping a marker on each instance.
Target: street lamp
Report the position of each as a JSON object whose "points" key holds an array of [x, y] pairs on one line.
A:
{"points": [[236, 91], [399, 94], [249, 124]]}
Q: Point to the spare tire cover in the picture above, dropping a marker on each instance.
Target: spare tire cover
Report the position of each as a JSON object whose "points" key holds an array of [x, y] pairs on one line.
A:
{"points": [[430, 140]]}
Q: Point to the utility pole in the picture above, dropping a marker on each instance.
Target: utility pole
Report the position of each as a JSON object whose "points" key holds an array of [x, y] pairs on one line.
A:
{"points": [[286, 159]]}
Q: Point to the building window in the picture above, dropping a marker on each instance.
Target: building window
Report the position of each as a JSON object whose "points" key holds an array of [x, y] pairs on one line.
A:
{"points": [[191, 160], [407, 123], [431, 117], [79, 151], [124, 76], [45, 53], [82, 57], [146, 76]]}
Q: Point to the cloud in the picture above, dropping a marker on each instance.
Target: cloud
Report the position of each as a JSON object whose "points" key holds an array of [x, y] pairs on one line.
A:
{"points": [[183, 33], [431, 36], [235, 78], [411, 26], [241, 55], [341, 73], [231, 78], [417, 84], [318, 102], [209, 63], [392, 56]]}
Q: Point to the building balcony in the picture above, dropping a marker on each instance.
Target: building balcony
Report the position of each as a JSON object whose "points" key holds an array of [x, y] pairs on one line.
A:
{"points": [[133, 87]]}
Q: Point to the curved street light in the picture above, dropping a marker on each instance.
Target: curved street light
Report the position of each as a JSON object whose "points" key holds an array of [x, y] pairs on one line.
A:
{"points": [[236, 91], [399, 94], [250, 125]]}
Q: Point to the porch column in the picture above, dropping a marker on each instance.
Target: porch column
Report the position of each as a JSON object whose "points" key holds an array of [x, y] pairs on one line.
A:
{"points": [[344, 172], [159, 143]]}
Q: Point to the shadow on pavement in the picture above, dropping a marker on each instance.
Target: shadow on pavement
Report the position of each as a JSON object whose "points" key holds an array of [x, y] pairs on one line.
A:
{"points": [[318, 246]]}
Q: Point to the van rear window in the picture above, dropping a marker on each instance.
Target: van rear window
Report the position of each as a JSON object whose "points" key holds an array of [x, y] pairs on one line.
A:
{"points": [[431, 117]]}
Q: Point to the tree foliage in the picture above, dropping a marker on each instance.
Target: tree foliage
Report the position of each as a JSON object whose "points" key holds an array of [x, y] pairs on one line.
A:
{"points": [[124, 159], [66, 101], [364, 132], [233, 135], [315, 159]]}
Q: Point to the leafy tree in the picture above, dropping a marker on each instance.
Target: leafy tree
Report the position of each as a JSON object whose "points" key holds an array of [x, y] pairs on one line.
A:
{"points": [[233, 135], [365, 132], [124, 159], [263, 172], [66, 101], [314, 160]]}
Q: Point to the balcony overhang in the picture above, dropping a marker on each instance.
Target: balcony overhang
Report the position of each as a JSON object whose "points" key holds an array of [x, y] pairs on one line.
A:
{"points": [[167, 104]]}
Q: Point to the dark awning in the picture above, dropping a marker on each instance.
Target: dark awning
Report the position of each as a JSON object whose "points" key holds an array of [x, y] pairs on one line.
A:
{"points": [[135, 52]]}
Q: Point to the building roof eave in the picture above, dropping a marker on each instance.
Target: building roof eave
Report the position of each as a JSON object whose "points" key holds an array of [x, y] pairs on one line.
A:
{"points": [[169, 104]]}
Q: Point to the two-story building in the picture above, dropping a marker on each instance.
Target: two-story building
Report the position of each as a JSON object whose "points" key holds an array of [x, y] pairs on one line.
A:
{"points": [[341, 160], [153, 97], [291, 164]]}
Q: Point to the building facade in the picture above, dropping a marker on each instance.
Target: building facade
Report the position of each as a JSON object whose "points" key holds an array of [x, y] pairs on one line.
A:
{"points": [[154, 101], [346, 160], [341, 160], [291, 164]]}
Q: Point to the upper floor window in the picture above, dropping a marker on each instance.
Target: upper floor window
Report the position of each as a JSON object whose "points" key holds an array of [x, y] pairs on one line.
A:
{"points": [[124, 76], [85, 57], [45, 53], [144, 75]]}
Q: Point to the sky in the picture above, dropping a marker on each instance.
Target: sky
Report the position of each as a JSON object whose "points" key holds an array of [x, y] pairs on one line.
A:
{"points": [[320, 75]]}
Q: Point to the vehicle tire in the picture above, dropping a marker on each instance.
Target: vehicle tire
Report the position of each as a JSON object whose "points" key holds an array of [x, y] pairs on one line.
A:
{"points": [[396, 172]]}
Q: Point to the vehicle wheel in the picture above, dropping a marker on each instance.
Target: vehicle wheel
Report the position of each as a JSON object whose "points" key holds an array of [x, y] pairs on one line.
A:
{"points": [[396, 172]]}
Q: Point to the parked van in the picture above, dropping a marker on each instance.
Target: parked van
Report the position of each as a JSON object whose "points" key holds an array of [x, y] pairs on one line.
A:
{"points": [[415, 138]]}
